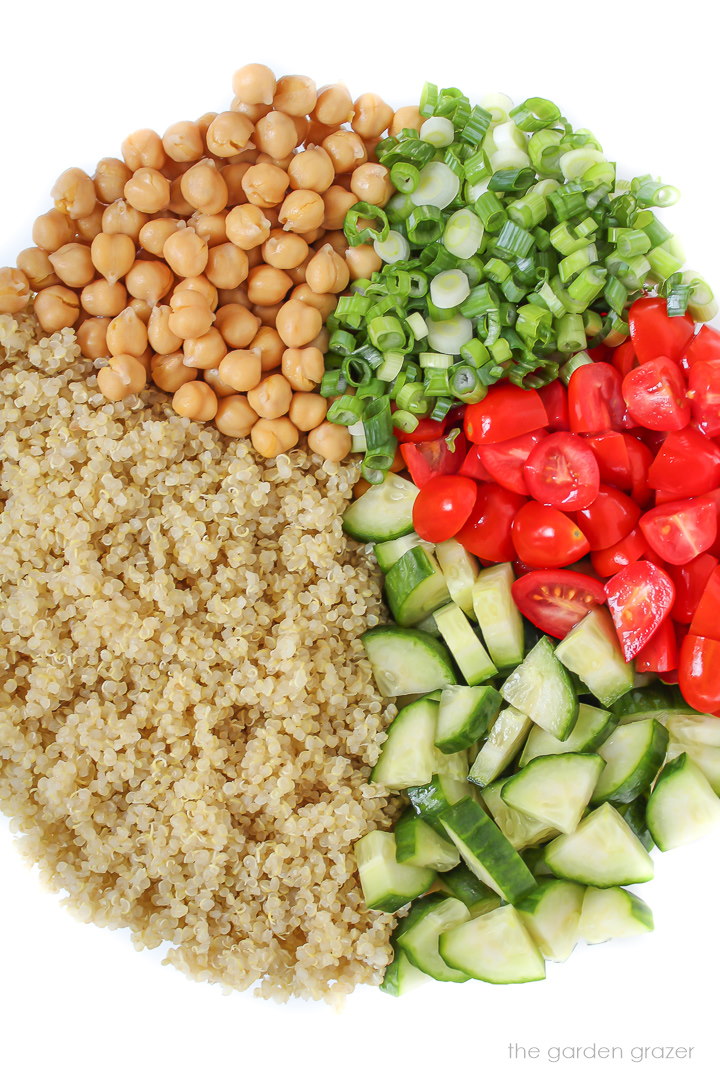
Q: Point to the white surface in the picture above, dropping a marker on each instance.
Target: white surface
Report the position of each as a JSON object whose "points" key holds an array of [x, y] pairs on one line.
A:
{"points": [[77, 1001]]}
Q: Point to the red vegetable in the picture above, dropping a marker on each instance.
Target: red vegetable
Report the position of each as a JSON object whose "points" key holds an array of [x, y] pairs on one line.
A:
{"points": [[487, 532], [562, 471], [704, 346], [554, 398], [655, 333], [690, 581], [595, 401], [699, 673], [610, 518], [473, 466], [639, 597], [426, 460], [686, 464], [504, 461], [426, 430], [678, 531], [442, 507], [706, 620], [655, 395], [556, 600], [704, 387], [506, 412], [623, 358], [546, 537], [607, 561], [661, 651]]}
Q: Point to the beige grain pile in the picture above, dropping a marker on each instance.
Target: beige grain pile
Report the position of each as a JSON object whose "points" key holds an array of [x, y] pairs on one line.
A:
{"points": [[187, 719]]}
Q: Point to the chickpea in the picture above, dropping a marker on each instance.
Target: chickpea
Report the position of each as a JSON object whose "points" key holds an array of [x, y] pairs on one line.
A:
{"points": [[160, 336], [303, 368], [295, 95], [235, 417], [241, 369], [298, 323], [233, 177], [325, 303], [184, 141], [37, 268], [178, 204], [200, 284], [265, 185], [154, 234], [337, 241], [372, 116], [56, 307], [148, 191], [103, 299], [112, 255], [302, 126], [206, 351], [302, 211], [346, 150], [204, 122], [307, 411], [371, 146], [267, 285], [185, 252], [254, 84], [228, 134], [212, 378], [327, 271], [52, 230], [149, 281], [227, 266], [253, 112], [89, 227], [312, 170], [254, 257], [322, 341], [284, 250], [267, 313], [123, 376], [110, 177], [237, 325], [275, 135], [407, 117], [344, 180], [233, 296], [211, 227], [74, 194], [337, 203], [120, 217], [331, 441], [91, 335], [143, 150], [334, 105], [169, 373], [191, 316], [297, 273], [280, 162], [127, 334], [273, 437], [317, 132], [269, 345], [196, 400], [15, 291], [363, 261], [73, 265], [371, 184], [203, 188], [247, 226], [142, 309]]}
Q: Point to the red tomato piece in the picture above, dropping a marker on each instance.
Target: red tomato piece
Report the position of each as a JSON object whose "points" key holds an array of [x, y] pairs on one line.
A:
{"points": [[505, 460], [686, 464], [607, 561], [623, 358], [611, 453], [506, 412], [554, 398], [699, 673], [655, 333], [661, 651], [473, 466], [426, 431], [678, 531], [640, 457], [556, 600], [640, 596], [599, 353], [442, 507], [706, 620], [655, 395], [704, 346], [545, 537], [690, 581], [426, 460], [595, 401], [562, 471], [487, 532], [610, 518], [704, 394]]}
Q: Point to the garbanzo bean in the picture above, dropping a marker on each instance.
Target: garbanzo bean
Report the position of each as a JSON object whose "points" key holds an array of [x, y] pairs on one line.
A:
{"points": [[247, 226], [196, 400], [267, 285], [254, 84], [273, 437], [253, 112], [371, 183], [337, 203], [337, 240], [123, 376], [284, 250], [407, 117], [103, 299], [233, 176], [327, 271], [178, 203], [298, 323], [169, 372], [275, 135], [154, 234], [191, 315], [241, 369], [227, 266], [74, 194], [87, 228], [281, 162], [255, 257], [311, 170], [160, 336], [362, 261], [51, 230], [112, 255], [37, 268], [346, 150], [184, 141], [211, 227], [143, 150], [237, 325], [322, 341], [14, 291], [307, 411], [91, 335], [205, 351], [297, 273], [120, 217], [228, 134], [148, 191], [372, 116], [302, 126], [268, 344], [334, 105], [149, 280], [200, 284], [325, 303], [212, 378], [295, 95], [303, 368], [142, 309], [235, 417], [265, 185], [73, 265], [204, 122], [331, 441], [56, 307], [110, 177], [302, 211], [185, 252], [203, 188], [126, 333]]}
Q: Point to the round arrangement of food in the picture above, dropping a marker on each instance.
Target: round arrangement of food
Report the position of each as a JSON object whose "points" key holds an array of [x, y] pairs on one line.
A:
{"points": [[359, 540]]}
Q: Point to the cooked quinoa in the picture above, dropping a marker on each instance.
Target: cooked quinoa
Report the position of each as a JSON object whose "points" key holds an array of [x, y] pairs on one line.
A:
{"points": [[187, 718]]}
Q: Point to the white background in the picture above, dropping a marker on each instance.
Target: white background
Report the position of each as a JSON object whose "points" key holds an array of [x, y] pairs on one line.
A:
{"points": [[77, 1001]]}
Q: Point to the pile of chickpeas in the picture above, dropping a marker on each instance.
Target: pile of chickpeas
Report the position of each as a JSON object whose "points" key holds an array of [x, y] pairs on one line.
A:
{"points": [[206, 260]]}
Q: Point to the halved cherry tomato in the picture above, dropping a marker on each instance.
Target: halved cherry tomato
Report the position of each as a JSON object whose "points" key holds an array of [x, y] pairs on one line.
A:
{"points": [[545, 537], [640, 457], [623, 358], [556, 600], [706, 620], [426, 460], [661, 651], [554, 398], [610, 518], [607, 561], [704, 346], [595, 401], [473, 466], [704, 387], [655, 333], [442, 507], [686, 464], [487, 532], [690, 581], [562, 471], [426, 431], [505, 460], [599, 353], [506, 412], [699, 673], [639, 597], [678, 531], [611, 453], [655, 395]]}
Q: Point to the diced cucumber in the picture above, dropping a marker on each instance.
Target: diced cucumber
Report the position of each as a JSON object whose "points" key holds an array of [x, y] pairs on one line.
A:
{"points": [[633, 755], [613, 913], [503, 742], [521, 830], [540, 688], [464, 644], [387, 885], [602, 851], [430, 918], [498, 615], [452, 766], [635, 815], [429, 626], [415, 587], [663, 715], [534, 859], [388, 553], [592, 651], [495, 947], [698, 735], [407, 757], [643, 698], [431, 799], [401, 975], [682, 806], [707, 759], [466, 712], [418, 844], [555, 789], [475, 895], [592, 727], [486, 851], [384, 512], [551, 912], [407, 661], [460, 569]]}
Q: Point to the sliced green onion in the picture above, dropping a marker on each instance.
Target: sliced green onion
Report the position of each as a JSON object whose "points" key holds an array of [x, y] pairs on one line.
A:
{"points": [[616, 294], [450, 335], [436, 382], [498, 105], [463, 233], [570, 366], [377, 422], [394, 248], [564, 240], [386, 333], [475, 353], [500, 350], [535, 113], [482, 299], [404, 421], [476, 126], [346, 410], [428, 99], [491, 211], [702, 305], [632, 242], [588, 285], [411, 398], [465, 384], [663, 263], [449, 289], [424, 225], [438, 186], [438, 131], [654, 229], [372, 388], [534, 323], [356, 370], [575, 163], [555, 305], [441, 408], [513, 240], [497, 270], [649, 192], [571, 265], [545, 151], [342, 342], [678, 298], [571, 337], [404, 176], [435, 359], [528, 211], [592, 321], [391, 366], [333, 383], [399, 208], [363, 210], [512, 180], [417, 325]]}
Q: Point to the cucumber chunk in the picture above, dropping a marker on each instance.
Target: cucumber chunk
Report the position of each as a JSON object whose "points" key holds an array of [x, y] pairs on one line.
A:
{"points": [[475, 895], [498, 615], [466, 712], [419, 937], [485, 850], [460, 569], [503, 743], [407, 661], [401, 975], [407, 757], [495, 947], [440, 794], [387, 885], [592, 727], [551, 912], [635, 815], [633, 755], [384, 512], [388, 553], [602, 851], [418, 844], [555, 789], [682, 806], [415, 587], [541, 688], [522, 830], [592, 651], [697, 735], [613, 913], [464, 644]]}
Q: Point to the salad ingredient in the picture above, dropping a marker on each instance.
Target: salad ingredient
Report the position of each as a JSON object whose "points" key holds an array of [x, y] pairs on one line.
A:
{"points": [[540, 688], [612, 913], [555, 788], [442, 506], [592, 651], [552, 912], [562, 471], [498, 616], [603, 851], [654, 333], [655, 396], [407, 661], [699, 673], [633, 754], [544, 536], [505, 413], [679, 531], [640, 597], [556, 600], [595, 399], [682, 806], [487, 532], [609, 518], [495, 947], [505, 461]]}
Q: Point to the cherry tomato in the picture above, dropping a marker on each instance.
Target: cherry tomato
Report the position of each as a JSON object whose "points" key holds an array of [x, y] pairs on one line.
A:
{"points": [[442, 507], [487, 532], [505, 460], [426, 460], [563, 472], [473, 466], [655, 395], [640, 596], [690, 581], [623, 358], [610, 518], [545, 537], [611, 453], [686, 464], [640, 458], [607, 561], [678, 531], [704, 387], [661, 651], [556, 600], [599, 353], [655, 333], [554, 398], [506, 412], [706, 620], [704, 346], [699, 673], [595, 401], [426, 431]]}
